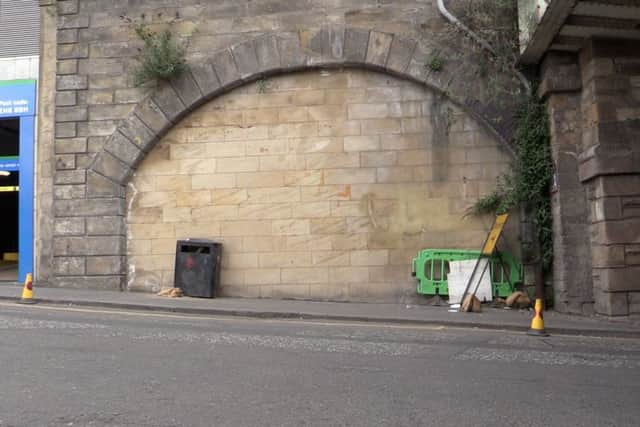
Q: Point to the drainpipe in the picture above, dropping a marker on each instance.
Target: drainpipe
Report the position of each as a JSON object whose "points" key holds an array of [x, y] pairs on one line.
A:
{"points": [[482, 42]]}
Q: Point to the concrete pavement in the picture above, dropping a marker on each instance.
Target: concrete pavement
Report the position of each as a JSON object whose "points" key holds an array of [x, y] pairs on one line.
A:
{"points": [[501, 319]]}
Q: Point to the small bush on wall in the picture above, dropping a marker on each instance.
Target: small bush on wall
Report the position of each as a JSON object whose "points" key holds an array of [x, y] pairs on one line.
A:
{"points": [[161, 58]]}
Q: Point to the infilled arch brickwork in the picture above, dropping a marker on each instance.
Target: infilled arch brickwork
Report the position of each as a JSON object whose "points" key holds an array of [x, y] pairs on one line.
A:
{"points": [[319, 184]]}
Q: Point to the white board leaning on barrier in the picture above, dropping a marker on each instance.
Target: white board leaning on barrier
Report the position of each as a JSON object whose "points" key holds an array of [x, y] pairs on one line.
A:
{"points": [[458, 278]]}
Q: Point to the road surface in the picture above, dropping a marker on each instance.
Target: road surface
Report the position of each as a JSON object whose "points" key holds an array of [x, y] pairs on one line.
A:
{"points": [[83, 367]]}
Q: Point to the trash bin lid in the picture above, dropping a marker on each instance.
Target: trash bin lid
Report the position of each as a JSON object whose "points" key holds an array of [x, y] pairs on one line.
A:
{"points": [[199, 241]]}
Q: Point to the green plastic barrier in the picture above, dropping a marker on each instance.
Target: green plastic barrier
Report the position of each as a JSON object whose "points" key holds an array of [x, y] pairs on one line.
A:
{"points": [[431, 267]]}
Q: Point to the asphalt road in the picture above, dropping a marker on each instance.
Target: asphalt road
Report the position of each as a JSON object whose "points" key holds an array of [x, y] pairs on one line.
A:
{"points": [[61, 367]]}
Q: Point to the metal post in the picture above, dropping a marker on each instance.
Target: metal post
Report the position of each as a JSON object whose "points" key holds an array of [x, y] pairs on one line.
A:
{"points": [[539, 281]]}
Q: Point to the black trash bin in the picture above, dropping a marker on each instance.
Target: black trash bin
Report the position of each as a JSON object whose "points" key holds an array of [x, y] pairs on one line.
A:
{"points": [[198, 267]]}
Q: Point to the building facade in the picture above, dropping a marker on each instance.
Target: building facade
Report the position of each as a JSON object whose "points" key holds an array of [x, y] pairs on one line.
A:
{"points": [[318, 144], [19, 59], [590, 67], [311, 138]]}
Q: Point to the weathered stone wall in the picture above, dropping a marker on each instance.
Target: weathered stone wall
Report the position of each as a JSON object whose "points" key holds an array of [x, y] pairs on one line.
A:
{"points": [[320, 184], [610, 167], [45, 167], [572, 275], [594, 105], [104, 126]]}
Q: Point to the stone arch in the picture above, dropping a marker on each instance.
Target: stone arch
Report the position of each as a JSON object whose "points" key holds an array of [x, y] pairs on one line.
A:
{"points": [[270, 54]]}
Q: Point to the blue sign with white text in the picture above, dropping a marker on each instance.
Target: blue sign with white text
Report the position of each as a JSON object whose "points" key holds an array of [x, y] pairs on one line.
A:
{"points": [[9, 164], [18, 102], [18, 98]]}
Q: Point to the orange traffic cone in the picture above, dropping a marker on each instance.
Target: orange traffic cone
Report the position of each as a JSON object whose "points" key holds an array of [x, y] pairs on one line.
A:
{"points": [[27, 291], [537, 323]]}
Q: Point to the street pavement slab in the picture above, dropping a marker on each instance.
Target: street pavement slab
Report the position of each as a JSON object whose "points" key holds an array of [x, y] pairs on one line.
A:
{"points": [[489, 318]]}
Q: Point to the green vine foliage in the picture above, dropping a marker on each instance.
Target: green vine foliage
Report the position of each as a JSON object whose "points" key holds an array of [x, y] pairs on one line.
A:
{"points": [[530, 178], [161, 58]]}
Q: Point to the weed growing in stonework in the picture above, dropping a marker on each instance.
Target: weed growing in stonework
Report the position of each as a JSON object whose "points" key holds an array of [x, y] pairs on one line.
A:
{"points": [[435, 63], [161, 58], [263, 85]]}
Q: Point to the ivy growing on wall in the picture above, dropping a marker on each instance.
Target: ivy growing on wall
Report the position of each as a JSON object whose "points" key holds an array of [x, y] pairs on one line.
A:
{"points": [[528, 182], [530, 177]]}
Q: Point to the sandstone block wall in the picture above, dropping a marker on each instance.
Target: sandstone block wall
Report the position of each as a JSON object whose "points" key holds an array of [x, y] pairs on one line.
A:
{"points": [[104, 128], [572, 273], [594, 105], [320, 185], [610, 167]]}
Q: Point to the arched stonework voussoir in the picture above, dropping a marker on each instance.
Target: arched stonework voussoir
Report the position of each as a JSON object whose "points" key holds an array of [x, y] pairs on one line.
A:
{"points": [[270, 54]]}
